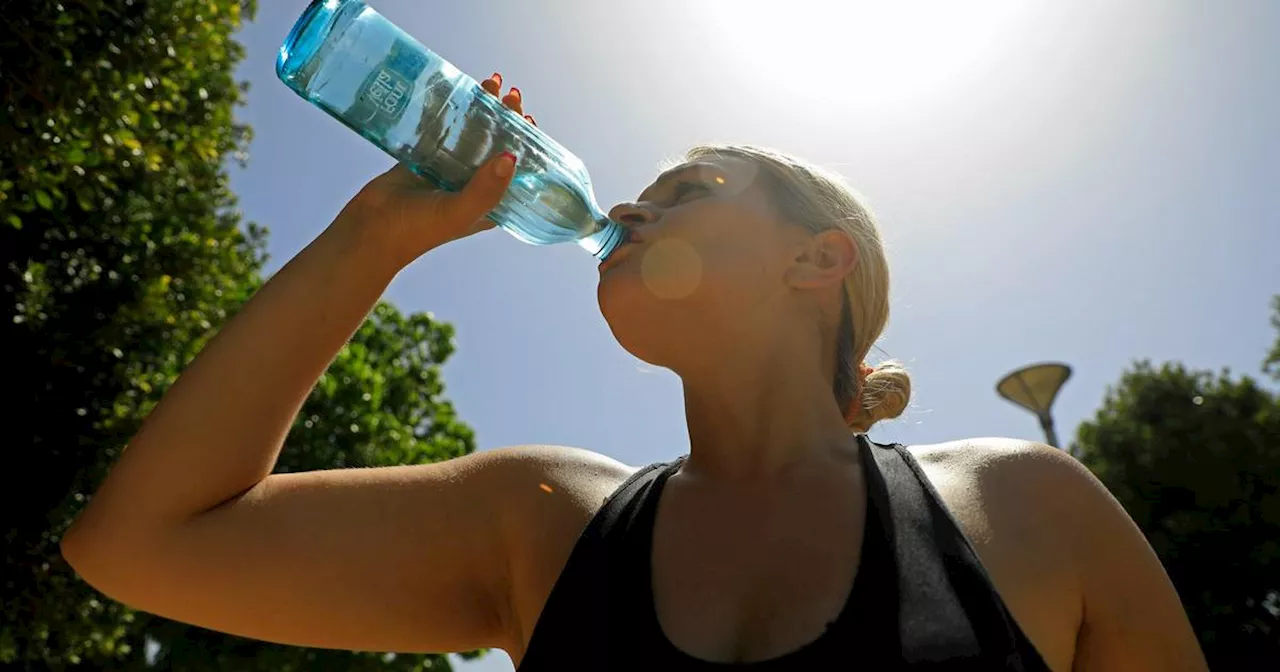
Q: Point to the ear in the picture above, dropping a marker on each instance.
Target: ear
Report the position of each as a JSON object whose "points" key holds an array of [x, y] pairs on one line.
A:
{"points": [[823, 260]]}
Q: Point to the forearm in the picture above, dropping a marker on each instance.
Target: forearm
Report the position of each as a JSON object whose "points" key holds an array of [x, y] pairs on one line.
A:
{"points": [[219, 429]]}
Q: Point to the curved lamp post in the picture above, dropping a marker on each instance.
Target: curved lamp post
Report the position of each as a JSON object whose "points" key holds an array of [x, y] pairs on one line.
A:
{"points": [[1034, 388]]}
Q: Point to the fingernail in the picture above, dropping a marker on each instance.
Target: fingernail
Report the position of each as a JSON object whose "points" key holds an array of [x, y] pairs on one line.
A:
{"points": [[506, 165], [516, 92], [530, 118], [498, 77]]}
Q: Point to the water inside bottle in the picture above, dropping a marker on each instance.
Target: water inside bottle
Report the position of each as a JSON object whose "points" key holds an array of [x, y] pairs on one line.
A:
{"points": [[439, 122]]}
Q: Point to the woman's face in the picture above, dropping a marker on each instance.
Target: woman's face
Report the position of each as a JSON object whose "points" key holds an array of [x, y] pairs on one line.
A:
{"points": [[707, 259]]}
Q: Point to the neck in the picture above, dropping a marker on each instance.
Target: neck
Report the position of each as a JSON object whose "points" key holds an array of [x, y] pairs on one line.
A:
{"points": [[762, 419]]}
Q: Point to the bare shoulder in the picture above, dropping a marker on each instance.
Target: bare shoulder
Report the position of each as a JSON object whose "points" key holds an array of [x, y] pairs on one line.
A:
{"points": [[550, 490], [1073, 568], [1006, 491], [985, 454], [1027, 479], [553, 493], [558, 478], [1017, 503], [1014, 486]]}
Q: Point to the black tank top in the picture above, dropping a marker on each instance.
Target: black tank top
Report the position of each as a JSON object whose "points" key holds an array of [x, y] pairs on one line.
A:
{"points": [[920, 600]]}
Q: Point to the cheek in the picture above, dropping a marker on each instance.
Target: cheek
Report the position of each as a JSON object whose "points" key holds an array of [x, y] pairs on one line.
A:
{"points": [[701, 254], [703, 249], [671, 268]]}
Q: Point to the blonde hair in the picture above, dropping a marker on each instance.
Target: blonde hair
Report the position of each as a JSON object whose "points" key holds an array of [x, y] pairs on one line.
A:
{"points": [[820, 200]]}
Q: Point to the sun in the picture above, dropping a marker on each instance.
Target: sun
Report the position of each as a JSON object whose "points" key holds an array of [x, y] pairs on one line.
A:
{"points": [[888, 54]]}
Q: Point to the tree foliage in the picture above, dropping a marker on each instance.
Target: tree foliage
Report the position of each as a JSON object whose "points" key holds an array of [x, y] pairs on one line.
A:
{"points": [[1272, 363], [1195, 459], [121, 251]]}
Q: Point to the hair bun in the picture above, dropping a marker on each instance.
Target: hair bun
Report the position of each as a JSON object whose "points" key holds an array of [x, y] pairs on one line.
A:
{"points": [[886, 391]]}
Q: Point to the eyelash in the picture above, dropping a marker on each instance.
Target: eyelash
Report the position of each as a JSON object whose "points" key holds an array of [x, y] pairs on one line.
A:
{"points": [[683, 188]]}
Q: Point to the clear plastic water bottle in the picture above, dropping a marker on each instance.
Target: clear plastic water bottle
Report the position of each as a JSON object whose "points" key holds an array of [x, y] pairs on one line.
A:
{"points": [[353, 63]]}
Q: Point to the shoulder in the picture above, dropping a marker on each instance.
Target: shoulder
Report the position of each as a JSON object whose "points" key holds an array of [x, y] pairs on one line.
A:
{"points": [[1019, 504], [551, 494], [548, 488], [1009, 471], [1076, 572], [575, 470], [995, 485], [982, 455], [1041, 508]]}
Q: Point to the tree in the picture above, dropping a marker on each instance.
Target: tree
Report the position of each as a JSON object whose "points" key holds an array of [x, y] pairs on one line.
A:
{"points": [[1194, 458], [121, 249], [121, 252], [1272, 363]]}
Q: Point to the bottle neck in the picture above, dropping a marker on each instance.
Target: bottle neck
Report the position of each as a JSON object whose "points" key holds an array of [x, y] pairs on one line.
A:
{"points": [[608, 235]]}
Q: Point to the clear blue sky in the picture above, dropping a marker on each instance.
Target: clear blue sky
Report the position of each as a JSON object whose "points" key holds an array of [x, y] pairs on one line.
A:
{"points": [[1091, 182]]}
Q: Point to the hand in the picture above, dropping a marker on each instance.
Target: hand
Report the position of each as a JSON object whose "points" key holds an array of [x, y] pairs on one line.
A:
{"points": [[405, 216]]}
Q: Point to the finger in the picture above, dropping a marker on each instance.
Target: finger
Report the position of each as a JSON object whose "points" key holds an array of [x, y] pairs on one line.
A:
{"points": [[494, 84], [484, 191], [514, 100], [531, 120], [482, 224], [398, 174], [394, 171]]}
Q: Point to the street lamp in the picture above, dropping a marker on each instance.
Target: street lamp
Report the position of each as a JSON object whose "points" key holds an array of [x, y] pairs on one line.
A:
{"points": [[1034, 388]]}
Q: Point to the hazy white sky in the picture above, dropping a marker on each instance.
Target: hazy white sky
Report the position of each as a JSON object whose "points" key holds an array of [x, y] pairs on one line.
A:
{"points": [[1091, 182]]}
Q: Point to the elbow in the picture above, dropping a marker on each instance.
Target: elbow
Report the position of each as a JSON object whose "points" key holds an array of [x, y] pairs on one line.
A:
{"points": [[93, 564], [119, 565], [102, 564], [80, 552], [92, 553]]}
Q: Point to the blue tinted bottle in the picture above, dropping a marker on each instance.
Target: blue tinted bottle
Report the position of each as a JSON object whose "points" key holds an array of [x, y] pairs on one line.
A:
{"points": [[353, 63]]}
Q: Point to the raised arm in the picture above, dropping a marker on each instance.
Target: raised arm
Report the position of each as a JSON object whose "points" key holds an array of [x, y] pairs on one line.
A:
{"points": [[190, 524]]}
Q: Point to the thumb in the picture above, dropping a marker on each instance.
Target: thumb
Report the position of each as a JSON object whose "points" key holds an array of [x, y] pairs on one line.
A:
{"points": [[484, 191]]}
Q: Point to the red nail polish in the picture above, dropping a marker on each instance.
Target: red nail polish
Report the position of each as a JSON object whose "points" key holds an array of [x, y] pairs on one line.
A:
{"points": [[505, 168], [516, 92], [498, 77], [530, 118]]}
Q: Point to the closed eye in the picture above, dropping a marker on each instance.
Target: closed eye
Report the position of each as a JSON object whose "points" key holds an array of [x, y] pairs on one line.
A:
{"points": [[683, 189]]}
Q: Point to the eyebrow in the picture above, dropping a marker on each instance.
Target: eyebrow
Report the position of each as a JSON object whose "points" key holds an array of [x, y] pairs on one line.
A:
{"points": [[669, 175]]}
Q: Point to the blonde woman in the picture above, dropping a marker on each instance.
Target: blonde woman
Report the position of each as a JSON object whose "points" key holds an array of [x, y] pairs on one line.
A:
{"points": [[784, 540]]}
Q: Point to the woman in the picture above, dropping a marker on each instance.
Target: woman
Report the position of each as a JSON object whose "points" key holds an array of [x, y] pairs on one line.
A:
{"points": [[781, 541]]}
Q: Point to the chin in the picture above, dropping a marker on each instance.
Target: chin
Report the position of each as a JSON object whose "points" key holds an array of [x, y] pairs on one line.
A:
{"points": [[645, 325], [660, 301]]}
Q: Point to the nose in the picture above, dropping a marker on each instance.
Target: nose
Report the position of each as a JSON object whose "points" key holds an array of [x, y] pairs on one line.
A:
{"points": [[631, 214]]}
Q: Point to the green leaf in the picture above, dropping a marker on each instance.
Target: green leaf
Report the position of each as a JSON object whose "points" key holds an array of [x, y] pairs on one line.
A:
{"points": [[84, 198], [43, 199], [14, 220]]}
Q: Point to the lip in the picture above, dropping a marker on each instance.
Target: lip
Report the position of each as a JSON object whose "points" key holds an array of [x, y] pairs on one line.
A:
{"points": [[620, 254]]}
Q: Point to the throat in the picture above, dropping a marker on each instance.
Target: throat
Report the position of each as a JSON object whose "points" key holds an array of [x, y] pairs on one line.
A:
{"points": [[762, 431]]}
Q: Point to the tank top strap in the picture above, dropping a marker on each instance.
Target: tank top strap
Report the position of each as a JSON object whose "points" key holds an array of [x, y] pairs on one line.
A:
{"points": [[593, 600], [948, 609]]}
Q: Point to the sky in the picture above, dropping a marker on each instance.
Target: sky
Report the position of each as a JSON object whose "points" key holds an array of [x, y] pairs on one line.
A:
{"points": [[1089, 182]]}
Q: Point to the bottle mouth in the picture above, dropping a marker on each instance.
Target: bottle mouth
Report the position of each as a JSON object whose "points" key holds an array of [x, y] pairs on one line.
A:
{"points": [[307, 33], [603, 243]]}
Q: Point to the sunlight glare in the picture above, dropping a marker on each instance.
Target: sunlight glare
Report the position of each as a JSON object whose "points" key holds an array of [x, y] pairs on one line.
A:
{"points": [[887, 54]]}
